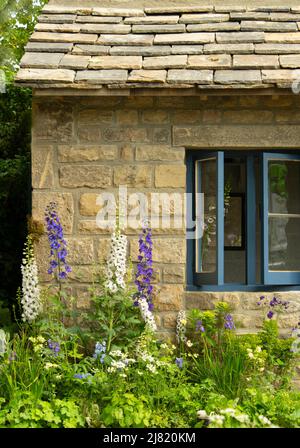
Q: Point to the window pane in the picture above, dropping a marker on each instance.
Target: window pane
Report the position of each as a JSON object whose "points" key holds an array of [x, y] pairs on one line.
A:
{"points": [[206, 246], [284, 215], [284, 243], [284, 186], [234, 220]]}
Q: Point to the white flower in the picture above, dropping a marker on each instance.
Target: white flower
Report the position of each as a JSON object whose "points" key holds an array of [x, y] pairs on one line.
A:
{"points": [[258, 349], [216, 420], [116, 263], [250, 354], [202, 415], [147, 315], [49, 365], [189, 343], [3, 342], [30, 300], [264, 420]]}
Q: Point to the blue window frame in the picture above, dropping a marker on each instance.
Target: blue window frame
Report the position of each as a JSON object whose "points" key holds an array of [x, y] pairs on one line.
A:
{"points": [[270, 205]]}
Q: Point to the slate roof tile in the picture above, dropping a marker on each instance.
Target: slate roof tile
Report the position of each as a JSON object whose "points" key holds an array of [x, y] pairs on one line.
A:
{"points": [[215, 47]]}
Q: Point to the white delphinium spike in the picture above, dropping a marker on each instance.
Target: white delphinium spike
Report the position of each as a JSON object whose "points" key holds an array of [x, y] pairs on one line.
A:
{"points": [[30, 300], [181, 326], [116, 263], [147, 315]]}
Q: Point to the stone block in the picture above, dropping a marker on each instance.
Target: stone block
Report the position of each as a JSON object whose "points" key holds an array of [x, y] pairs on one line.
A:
{"points": [[133, 175], [174, 274], [282, 38], [152, 20], [127, 117], [190, 76], [87, 153], [209, 61], [80, 251], [184, 38], [103, 247], [101, 76], [41, 60], [173, 176], [227, 136], [243, 37], [280, 76], [158, 29], [126, 39], [229, 48], [75, 38], [42, 166], [65, 207], [161, 62], [204, 18], [187, 49], [153, 50], [127, 134], [226, 26], [91, 176], [41, 75], [76, 62], [168, 298], [147, 76], [104, 28], [116, 62], [53, 120], [280, 27], [158, 116], [158, 153], [88, 204], [253, 61], [91, 50], [290, 61], [56, 47], [277, 48], [238, 77], [98, 19]]}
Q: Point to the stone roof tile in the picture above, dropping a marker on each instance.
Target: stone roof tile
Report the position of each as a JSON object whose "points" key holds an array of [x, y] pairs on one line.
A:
{"points": [[215, 47]]}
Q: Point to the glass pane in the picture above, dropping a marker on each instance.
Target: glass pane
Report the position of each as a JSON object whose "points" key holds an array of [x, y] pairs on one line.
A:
{"points": [[234, 225], [284, 215], [206, 245], [284, 243], [284, 186]]}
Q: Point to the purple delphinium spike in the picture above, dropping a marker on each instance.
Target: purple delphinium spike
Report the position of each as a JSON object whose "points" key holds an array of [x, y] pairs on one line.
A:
{"points": [[229, 324], [199, 326], [58, 245], [54, 347], [179, 362], [144, 274]]}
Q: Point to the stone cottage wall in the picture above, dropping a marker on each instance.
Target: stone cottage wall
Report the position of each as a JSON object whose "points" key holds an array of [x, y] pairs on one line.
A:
{"points": [[84, 146]]}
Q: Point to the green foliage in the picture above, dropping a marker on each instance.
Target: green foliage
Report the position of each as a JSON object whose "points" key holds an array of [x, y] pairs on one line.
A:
{"points": [[17, 19], [126, 411], [113, 317], [24, 411]]}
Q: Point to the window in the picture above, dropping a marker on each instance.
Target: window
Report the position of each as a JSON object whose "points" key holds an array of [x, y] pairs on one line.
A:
{"points": [[249, 217]]}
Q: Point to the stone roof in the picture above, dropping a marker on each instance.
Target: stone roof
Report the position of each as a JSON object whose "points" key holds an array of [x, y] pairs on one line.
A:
{"points": [[209, 47]]}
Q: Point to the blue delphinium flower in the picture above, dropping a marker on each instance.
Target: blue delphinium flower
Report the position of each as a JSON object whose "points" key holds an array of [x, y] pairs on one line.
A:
{"points": [[270, 314], [179, 362], [100, 350], [199, 326], [229, 324], [58, 245], [81, 376], [144, 274], [54, 346]]}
